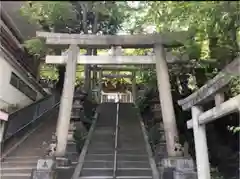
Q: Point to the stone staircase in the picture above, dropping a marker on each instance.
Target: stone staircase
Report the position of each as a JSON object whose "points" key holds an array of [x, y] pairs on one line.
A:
{"points": [[41, 144], [23, 158]]}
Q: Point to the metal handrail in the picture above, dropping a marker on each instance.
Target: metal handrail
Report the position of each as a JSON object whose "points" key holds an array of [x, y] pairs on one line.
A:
{"points": [[22, 118]]}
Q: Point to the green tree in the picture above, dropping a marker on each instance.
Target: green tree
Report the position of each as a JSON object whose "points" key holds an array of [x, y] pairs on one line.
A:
{"points": [[78, 17]]}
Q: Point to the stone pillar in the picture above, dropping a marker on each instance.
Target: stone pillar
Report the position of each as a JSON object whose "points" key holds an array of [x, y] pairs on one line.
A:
{"points": [[91, 81], [116, 50], [87, 72], [66, 101], [165, 95], [100, 85], [177, 168], [219, 99], [134, 88], [94, 77], [200, 139]]}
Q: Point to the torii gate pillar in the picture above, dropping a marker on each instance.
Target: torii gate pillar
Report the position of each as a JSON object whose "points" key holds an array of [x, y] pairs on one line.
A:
{"points": [[66, 101], [165, 95]]}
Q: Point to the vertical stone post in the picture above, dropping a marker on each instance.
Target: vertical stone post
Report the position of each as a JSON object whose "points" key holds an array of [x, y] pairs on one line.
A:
{"points": [[116, 51], [94, 77], [219, 99], [2, 129], [100, 85], [199, 131], [86, 77], [165, 95], [87, 73], [134, 88], [66, 100]]}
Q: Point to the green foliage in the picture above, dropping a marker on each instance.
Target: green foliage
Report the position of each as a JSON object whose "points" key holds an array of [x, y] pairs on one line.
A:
{"points": [[68, 17], [234, 129], [36, 46], [235, 86], [215, 44], [111, 16], [216, 26], [51, 15]]}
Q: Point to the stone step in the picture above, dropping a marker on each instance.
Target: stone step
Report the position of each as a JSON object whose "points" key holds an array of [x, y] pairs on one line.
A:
{"points": [[98, 173], [99, 157], [17, 164], [17, 169], [130, 172], [21, 158], [107, 150], [16, 176], [120, 164]]}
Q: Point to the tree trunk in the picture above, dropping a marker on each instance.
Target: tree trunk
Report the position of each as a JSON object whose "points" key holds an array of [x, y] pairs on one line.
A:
{"points": [[94, 52], [89, 51]]}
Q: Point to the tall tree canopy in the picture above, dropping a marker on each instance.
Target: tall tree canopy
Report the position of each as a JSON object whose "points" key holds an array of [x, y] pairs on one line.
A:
{"points": [[72, 17]]}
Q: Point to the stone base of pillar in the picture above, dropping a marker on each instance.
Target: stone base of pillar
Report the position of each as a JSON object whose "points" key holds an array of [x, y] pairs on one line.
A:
{"points": [[62, 162], [177, 168], [160, 151], [71, 130], [45, 169]]}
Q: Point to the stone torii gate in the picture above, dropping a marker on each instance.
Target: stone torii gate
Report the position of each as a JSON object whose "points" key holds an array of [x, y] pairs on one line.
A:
{"points": [[160, 58]]}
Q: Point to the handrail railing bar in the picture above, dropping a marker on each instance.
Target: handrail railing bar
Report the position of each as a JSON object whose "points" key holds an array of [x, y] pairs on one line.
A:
{"points": [[32, 104], [46, 111]]}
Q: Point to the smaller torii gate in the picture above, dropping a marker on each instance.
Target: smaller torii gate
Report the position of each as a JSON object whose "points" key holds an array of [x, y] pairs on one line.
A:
{"points": [[129, 97], [115, 51], [160, 59]]}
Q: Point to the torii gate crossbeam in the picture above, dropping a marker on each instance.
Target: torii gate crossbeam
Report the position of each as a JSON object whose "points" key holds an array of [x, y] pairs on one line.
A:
{"points": [[113, 60], [169, 39]]}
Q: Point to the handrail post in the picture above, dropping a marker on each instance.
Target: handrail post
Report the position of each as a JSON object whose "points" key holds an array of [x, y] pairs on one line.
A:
{"points": [[219, 99], [2, 129], [201, 149], [36, 112]]}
